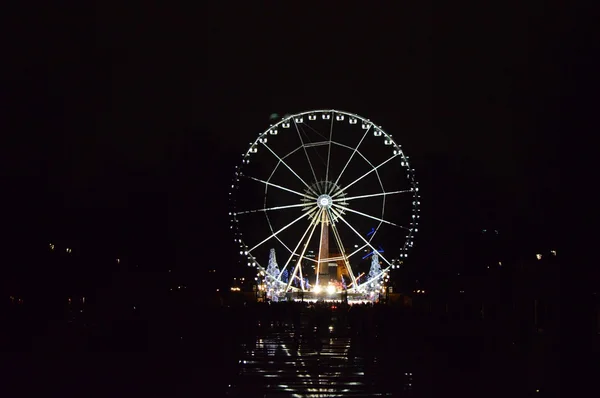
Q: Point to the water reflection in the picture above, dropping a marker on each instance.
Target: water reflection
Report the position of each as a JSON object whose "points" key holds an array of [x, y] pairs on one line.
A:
{"points": [[308, 352], [305, 361]]}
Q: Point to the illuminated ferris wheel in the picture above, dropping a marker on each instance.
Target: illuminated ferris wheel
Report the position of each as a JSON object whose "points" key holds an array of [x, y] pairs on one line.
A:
{"points": [[322, 188]]}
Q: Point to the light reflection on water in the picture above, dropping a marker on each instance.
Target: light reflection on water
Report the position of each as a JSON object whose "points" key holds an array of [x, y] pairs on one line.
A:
{"points": [[266, 368], [426, 362]]}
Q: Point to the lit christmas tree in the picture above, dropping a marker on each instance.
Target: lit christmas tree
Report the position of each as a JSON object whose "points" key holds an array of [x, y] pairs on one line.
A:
{"points": [[374, 274], [272, 270], [285, 276]]}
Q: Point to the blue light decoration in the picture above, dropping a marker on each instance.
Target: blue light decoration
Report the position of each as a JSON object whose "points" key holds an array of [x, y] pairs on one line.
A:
{"points": [[343, 283], [285, 276], [380, 248], [370, 254]]}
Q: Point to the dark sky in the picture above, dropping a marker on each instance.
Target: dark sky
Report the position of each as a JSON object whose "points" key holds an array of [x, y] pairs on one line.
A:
{"points": [[125, 123]]}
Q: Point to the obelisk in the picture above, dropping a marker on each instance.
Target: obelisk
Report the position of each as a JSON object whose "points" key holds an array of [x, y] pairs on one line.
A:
{"points": [[323, 261]]}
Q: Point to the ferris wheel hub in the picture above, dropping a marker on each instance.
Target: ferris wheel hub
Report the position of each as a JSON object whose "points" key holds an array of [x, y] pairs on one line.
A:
{"points": [[324, 201]]}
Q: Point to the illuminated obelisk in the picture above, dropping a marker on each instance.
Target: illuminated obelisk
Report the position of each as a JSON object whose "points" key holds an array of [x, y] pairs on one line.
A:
{"points": [[322, 269]]}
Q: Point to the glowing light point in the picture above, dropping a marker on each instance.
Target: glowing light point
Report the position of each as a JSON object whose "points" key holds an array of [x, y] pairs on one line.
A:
{"points": [[330, 289], [324, 201]]}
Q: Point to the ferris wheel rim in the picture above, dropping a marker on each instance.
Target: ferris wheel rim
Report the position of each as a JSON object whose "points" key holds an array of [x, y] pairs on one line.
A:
{"points": [[332, 112]]}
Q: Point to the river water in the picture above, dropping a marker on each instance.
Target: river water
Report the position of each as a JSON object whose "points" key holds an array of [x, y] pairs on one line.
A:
{"points": [[377, 354]]}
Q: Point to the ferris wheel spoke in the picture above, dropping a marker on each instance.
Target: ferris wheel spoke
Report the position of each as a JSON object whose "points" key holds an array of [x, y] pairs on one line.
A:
{"points": [[310, 226], [270, 209], [274, 234], [371, 195], [344, 208], [340, 244], [289, 168], [290, 250], [309, 213], [356, 251], [350, 148], [361, 177], [280, 187], [316, 132], [339, 215], [305, 151], [329, 149], [298, 265], [351, 156]]}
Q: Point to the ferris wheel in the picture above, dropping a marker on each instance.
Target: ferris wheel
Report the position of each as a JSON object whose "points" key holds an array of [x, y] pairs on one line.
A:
{"points": [[322, 188]]}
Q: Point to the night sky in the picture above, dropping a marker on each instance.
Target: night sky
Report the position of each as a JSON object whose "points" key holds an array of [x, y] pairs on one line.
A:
{"points": [[125, 124]]}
